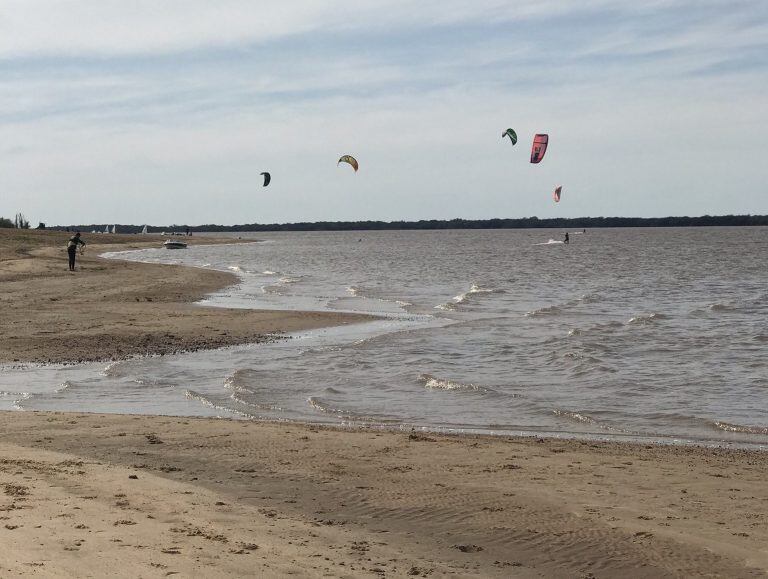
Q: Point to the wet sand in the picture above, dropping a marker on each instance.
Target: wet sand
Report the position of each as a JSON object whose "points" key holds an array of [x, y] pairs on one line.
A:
{"points": [[152, 496], [110, 309]]}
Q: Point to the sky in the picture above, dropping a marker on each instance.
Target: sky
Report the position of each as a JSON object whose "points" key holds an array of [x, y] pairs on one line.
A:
{"points": [[166, 112]]}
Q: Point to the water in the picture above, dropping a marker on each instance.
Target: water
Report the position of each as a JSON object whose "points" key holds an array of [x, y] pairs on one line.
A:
{"points": [[655, 334]]}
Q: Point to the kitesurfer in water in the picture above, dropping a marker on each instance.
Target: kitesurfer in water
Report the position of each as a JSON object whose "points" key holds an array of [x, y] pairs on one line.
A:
{"points": [[566, 240], [72, 244]]}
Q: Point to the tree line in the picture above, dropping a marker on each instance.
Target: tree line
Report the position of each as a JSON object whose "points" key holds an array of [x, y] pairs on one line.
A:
{"points": [[522, 223]]}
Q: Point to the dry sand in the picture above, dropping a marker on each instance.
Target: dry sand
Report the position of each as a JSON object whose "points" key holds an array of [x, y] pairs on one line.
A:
{"points": [[91, 495], [148, 496], [109, 309]]}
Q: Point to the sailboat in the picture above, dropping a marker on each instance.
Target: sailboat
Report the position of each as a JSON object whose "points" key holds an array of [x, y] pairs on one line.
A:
{"points": [[106, 229], [114, 229], [144, 231]]}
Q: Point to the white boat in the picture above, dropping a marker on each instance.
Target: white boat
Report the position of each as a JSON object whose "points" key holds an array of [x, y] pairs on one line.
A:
{"points": [[144, 231], [114, 229], [174, 244], [106, 229]]}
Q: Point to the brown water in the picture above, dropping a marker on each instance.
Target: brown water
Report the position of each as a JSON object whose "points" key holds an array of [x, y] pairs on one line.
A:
{"points": [[651, 333]]}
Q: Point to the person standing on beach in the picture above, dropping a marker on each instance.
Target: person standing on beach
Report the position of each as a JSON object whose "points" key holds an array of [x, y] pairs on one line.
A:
{"points": [[74, 241]]}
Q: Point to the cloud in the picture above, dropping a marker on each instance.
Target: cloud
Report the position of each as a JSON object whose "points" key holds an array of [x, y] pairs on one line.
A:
{"points": [[115, 112]]}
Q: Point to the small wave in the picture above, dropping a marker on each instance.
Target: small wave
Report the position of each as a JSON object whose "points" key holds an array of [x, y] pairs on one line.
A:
{"points": [[235, 268], [205, 401], [289, 279], [327, 408], [66, 385], [433, 383], [589, 298], [648, 319], [353, 291], [608, 327], [551, 242], [466, 296], [719, 307], [739, 428], [575, 416], [269, 272], [545, 311], [111, 369]]}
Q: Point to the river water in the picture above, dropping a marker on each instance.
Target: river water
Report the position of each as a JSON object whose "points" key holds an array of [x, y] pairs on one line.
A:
{"points": [[657, 334]]}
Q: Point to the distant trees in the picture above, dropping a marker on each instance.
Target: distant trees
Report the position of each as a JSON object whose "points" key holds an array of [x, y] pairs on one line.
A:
{"points": [[520, 223], [6, 223], [20, 222]]}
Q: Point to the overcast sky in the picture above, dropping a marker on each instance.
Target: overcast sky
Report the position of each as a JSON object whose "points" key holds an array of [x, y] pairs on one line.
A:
{"points": [[167, 111]]}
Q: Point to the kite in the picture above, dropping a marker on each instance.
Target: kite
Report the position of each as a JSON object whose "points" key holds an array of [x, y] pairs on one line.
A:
{"points": [[267, 178], [511, 134], [539, 148], [348, 159], [556, 194]]}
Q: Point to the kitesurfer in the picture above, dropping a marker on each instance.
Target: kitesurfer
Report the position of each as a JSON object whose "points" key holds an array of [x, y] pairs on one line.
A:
{"points": [[566, 240], [72, 244]]}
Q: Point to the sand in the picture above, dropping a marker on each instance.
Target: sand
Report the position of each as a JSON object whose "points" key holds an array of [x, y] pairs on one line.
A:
{"points": [[110, 309], [141, 496], [150, 496]]}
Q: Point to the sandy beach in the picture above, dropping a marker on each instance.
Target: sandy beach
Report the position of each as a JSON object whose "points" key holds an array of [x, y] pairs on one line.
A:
{"points": [[152, 496], [110, 309], [142, 496]]}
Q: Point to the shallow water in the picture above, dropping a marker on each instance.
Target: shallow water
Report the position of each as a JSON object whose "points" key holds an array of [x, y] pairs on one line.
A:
{"points": [[650, 333]]}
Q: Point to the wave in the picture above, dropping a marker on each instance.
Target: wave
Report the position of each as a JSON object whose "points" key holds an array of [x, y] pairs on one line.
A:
{"points": [[581, 418], [66, 385], [473, 290], [646, 319], [111, 369], [740, 428], [545, 311], [205, 401], [236, 268], [327, 407], [551, 242], [431, 382], [589, 298], [607, 327], [289, 279], [575, 416], [269, 272], [235, 381]]}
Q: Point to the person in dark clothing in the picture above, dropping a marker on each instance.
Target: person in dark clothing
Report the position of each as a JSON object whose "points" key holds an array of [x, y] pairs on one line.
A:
{"points": [[74, 241], [566, 240]]}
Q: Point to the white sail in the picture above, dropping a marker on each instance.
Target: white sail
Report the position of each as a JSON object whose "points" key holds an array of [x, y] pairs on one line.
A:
{"points": [[144, 231], [114, 229], [106, 229]]}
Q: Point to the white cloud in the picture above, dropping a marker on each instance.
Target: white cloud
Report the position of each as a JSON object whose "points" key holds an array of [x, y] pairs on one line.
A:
{"points": [[129, 123]]}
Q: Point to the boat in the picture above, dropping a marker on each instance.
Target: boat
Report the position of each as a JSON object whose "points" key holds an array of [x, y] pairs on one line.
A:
{"points": [[174, 244], [106, 229], [144, 231], [114, 229]]}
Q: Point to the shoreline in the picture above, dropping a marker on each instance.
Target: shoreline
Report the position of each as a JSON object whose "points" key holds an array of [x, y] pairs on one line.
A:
{"points": [[189, 494], [112, 310]]}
